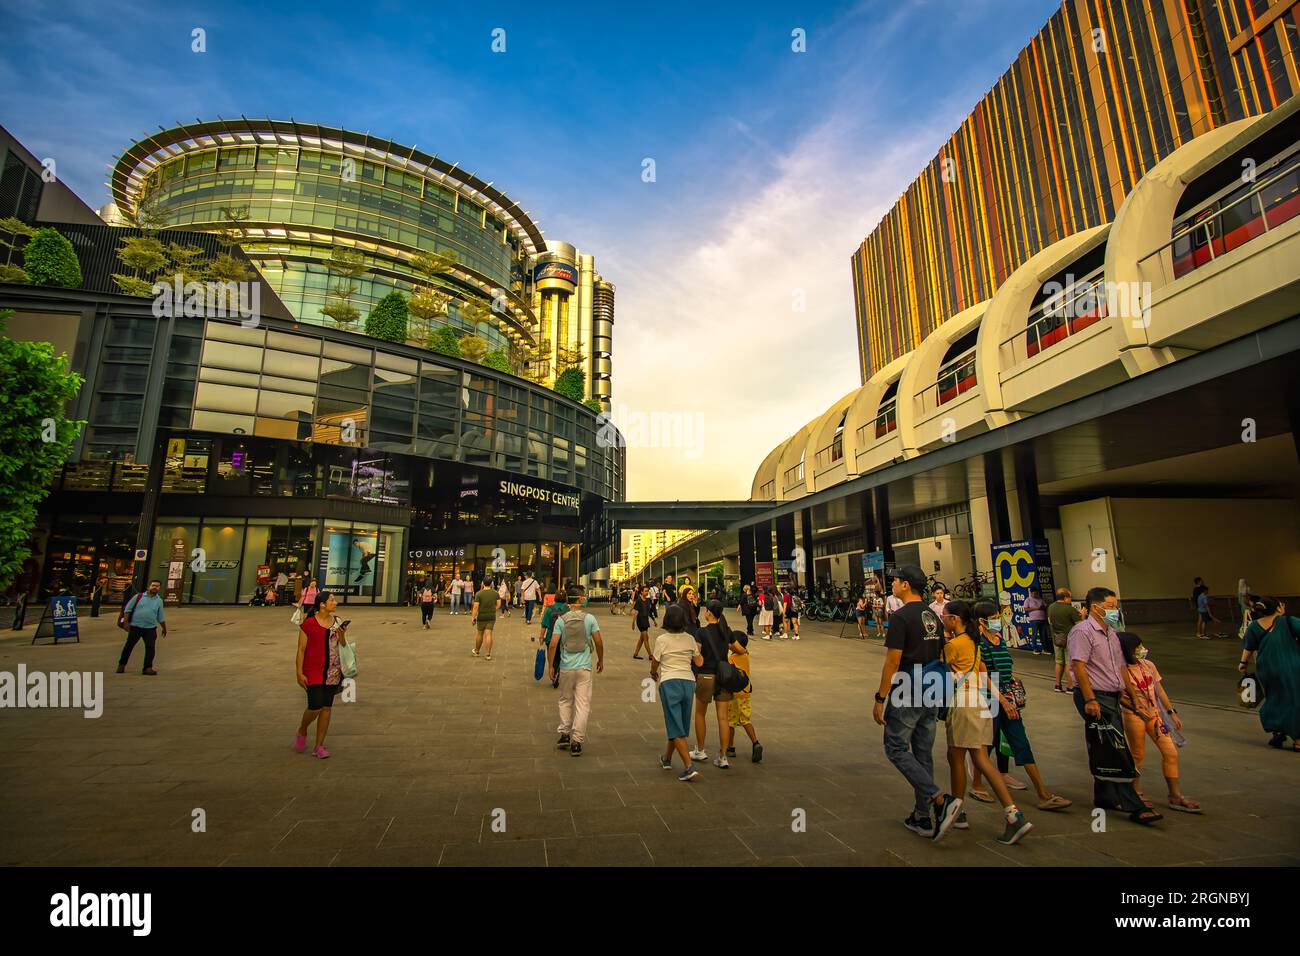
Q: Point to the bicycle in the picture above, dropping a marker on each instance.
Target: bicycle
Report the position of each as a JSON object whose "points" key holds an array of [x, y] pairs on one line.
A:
{"points": [[971, 587]]}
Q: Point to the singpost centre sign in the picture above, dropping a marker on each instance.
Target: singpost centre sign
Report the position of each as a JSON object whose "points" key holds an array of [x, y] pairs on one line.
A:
{"points": [[517, 489]]}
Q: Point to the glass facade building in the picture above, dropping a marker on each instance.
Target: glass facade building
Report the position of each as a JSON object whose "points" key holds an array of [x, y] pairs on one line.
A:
{"points": [[1106, 90], [301, 192], [367, 465]]}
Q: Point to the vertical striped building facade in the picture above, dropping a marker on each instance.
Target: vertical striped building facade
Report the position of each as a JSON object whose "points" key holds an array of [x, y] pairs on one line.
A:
{"points": [[1104, 91]]}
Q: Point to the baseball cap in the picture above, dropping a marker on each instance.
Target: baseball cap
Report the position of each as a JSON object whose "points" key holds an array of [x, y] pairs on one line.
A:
{"points": [[913, 575]]}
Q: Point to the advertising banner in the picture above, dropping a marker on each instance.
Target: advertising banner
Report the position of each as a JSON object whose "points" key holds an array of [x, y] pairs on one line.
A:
{"points": [[763, 574], [350, 560], [1017, 567], [174, 584]]}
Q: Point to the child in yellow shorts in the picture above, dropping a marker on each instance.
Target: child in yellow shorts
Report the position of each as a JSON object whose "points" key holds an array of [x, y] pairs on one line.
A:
{"points": [[740, 707]]}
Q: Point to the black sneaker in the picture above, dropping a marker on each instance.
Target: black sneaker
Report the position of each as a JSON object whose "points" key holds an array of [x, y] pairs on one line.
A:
{"points": [[1016, 827], [563, 741], [945, 815], [575, 750], [920, 825], [731, 751], [757, 755]]}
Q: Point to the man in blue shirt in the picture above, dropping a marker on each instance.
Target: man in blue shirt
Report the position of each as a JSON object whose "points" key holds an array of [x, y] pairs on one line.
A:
{"points": [[143, 615], [569, 655]]}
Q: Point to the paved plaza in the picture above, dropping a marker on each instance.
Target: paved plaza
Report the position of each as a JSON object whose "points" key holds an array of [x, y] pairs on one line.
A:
{"points": [[438, 744]]}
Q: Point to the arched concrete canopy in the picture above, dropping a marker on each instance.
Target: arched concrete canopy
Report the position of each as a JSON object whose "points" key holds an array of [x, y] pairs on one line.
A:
{"points": [[1009, 308], [767, 472], [796, 447], [1143, 224], [823, 433], [924, 363]]}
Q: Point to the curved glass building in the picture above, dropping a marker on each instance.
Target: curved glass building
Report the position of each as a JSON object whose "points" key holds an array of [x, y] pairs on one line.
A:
{"points": [[302, 191]]}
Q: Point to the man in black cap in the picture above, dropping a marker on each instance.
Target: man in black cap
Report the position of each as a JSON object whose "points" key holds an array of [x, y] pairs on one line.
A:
{"points": [[914, 639]]}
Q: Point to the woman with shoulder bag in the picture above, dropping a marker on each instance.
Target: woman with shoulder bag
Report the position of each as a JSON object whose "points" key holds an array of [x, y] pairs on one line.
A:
{"points": [[1150, 713], [319, 670], [1009, 721], [967, 723]]}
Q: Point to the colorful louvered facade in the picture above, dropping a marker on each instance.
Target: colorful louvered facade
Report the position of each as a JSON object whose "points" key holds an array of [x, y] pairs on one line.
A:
{"points": [[1104, 91]]}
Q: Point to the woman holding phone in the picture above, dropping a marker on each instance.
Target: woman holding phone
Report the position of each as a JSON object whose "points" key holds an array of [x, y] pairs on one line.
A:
{"points": [[319, 670]]}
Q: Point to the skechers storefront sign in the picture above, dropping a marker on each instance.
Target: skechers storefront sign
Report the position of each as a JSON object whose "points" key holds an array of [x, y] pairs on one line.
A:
{"points": [[518, 489]]}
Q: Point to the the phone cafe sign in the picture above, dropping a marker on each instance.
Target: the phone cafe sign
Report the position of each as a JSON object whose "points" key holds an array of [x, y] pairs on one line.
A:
{"points": [[518, 489]]}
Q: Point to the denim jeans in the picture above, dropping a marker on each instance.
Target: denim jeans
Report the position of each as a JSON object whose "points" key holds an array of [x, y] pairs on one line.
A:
{"points": [[909, 745]]}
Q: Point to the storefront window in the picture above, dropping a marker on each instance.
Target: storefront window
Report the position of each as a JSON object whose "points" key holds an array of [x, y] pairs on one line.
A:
{"points": [[222, 542], [266, 547], [117, 555], [174, 540], [186, 469], [72, 551]]}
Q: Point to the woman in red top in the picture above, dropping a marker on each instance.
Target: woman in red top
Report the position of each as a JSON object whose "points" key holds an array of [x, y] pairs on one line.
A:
{"points": [[1152, 714], [318, 670]]}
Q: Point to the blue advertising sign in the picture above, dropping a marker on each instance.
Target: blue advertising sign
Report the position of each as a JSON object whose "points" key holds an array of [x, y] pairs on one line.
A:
{"points": [[63, 615], [873, 561], [1017, 567]]}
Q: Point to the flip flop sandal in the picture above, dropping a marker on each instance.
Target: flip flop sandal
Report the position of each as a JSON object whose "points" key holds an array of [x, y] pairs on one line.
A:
{"points": [[982, 796], [1054, 803], [1194, 808], [1145, 817]]}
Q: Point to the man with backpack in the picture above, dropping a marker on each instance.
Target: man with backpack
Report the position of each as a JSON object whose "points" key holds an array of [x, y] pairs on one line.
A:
{"points": [[793, 609], [529, 591], [569, 654], [749, 608]]}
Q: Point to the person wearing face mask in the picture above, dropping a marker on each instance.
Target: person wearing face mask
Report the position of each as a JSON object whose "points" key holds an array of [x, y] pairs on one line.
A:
{"points": [[1008, 720], [1150, 713], [1101, 677]]}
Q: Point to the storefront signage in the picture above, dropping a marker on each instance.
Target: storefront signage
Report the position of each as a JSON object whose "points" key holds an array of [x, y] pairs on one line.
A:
{"points": [[437, 553], [551, 271], [763, 577], [517, 489]]}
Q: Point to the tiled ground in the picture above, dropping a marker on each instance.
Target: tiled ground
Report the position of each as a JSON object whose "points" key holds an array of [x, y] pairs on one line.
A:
{"points": [[438, 741]]}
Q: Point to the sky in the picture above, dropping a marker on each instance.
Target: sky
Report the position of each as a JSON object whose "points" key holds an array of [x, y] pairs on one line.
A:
{"points": [[730, 251]]}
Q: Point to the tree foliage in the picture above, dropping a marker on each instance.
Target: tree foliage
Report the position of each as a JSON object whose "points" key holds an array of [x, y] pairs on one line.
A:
{"points": [[36, 435], [497, 359], [387, 320], [444, 341], [474, 348], [50, 260], [571, 383]]}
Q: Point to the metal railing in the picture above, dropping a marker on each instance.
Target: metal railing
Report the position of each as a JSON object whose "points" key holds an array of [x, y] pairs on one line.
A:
{"points": [[955, 378], [831, 453], [1202, 233], [794, 475], [1071, 311]]}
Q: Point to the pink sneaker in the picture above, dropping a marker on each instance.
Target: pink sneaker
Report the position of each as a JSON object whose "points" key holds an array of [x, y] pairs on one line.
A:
{"points": [[320, 752], [300, 743]]}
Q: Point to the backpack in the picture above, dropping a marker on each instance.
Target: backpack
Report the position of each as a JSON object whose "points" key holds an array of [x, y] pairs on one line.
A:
{"points": [[575, 639], [796, 605], [767, 602]]}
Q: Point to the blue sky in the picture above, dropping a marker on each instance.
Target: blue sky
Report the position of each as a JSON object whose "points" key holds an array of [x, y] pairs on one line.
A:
{"points": [[771, 165]]}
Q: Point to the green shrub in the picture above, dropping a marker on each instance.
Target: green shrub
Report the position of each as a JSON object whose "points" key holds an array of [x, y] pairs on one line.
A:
{"points": [[387, 320], [497, 359], [13, 273], [571, 383], [50, 260], [444, 340], [594, 405]]}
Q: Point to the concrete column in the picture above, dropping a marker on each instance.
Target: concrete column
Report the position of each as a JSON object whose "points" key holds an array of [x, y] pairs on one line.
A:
{"points": [[785, 538], [884, 533], [1032, 525], [746, 554], [996, 485]]}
